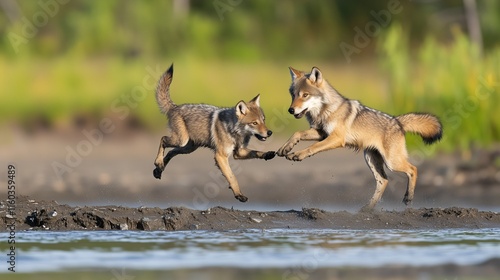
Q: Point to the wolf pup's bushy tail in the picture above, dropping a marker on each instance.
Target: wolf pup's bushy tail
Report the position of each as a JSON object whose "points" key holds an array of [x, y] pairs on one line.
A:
{"points": [[163, 90], [426, 125]]}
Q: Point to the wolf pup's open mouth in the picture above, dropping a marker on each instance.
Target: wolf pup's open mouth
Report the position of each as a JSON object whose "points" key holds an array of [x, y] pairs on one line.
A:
{"points": [[301, 114], [260, 137]]}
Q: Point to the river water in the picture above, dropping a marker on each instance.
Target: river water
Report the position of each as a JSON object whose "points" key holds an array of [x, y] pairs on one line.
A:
{"points": [[306, 250]]}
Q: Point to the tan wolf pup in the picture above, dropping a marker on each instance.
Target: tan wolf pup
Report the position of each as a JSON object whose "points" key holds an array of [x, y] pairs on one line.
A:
{"points": [[336, 121], [227, 131]]}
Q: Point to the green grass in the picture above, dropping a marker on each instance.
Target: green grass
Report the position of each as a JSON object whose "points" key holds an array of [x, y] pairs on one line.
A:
{"points": [[60, 89], [452, 81]]}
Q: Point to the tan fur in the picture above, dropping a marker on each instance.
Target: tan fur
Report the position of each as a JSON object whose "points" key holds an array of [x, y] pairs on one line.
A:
{"points": [[336, 122], [227, 131]]}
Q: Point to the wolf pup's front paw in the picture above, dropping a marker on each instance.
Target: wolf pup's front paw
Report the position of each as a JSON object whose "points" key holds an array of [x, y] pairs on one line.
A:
{"points": [[241, 198], [284, 150], [296, 156], [281, 152], [292, 156], [157, 173], [269, 155]]}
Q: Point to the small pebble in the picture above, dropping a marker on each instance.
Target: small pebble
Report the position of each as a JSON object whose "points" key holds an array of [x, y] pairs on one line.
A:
{"points": [[256, 220], [194, 227]]}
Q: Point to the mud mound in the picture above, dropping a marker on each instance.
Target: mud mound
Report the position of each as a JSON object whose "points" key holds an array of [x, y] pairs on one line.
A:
{"points": [[49, 215]]}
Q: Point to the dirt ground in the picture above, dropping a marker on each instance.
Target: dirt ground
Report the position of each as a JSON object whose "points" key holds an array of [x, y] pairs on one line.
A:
{"points": [[49, 215], [111, 186]]}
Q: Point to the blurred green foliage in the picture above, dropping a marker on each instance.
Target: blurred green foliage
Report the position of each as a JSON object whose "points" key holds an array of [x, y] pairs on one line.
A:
{"points": [[65, 58], [220, 29], [453, 81]]}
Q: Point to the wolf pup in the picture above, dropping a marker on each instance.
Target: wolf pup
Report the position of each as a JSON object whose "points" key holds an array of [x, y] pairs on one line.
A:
{"points": [[227, 131], [336, 121]]}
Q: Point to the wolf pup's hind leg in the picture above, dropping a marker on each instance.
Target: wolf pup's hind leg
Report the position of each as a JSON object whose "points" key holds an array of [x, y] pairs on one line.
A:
{"points": [[375, 161], [160, 166], [187, 149], [176, 141]]}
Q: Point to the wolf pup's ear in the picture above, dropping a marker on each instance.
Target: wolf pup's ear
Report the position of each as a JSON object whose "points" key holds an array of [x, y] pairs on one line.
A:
{"points": [[256, 100], [316, 76], [295, 73], [241, 109]]}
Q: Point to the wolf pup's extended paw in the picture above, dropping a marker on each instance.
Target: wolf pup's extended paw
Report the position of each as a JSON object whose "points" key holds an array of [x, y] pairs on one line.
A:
{"points": [[157, 173], [241, 198], [296, 156], [269, 155], [283, 151]]}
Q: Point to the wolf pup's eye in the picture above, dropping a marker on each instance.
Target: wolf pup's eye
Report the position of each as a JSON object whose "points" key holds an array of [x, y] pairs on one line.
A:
{"points": [[255, 123], [305, 94]]}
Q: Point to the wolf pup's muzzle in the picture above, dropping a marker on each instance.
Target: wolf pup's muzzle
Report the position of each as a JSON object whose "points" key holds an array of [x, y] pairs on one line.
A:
{"points": [[263, 138], [295, 114]]}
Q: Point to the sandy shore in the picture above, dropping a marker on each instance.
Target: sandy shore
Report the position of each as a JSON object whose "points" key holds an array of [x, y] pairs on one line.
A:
{"points": [[49, 215]]}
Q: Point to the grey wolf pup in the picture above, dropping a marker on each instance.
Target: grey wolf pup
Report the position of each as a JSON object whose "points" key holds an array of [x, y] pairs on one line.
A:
{"points": [[227, 131], [336, 121]]}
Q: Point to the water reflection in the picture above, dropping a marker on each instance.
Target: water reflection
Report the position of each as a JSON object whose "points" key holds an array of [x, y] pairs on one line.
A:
{"points": [[55, 251]]}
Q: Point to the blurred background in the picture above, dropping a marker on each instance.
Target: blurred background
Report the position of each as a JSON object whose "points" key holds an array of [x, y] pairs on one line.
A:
{"points": [[78, 78]]}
